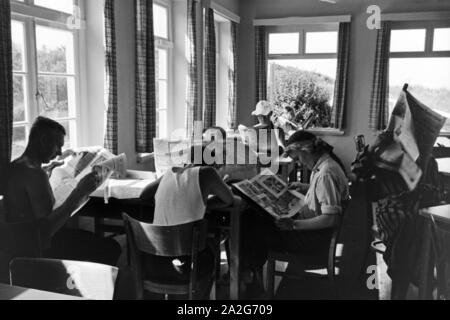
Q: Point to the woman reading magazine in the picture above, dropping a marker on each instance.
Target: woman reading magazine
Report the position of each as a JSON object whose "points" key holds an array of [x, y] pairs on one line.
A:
{"points": [[311, 229]]}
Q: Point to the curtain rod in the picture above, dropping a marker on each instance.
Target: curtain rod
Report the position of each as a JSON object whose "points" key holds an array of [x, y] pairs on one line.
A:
{"points": [[301, 20]]}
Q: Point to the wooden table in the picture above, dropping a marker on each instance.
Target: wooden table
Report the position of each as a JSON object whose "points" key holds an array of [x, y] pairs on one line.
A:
{"points": [[441, 215], [8, 292]]}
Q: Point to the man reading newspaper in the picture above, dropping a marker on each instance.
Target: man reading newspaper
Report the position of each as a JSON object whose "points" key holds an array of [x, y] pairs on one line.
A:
{"points": [[29, 198]]}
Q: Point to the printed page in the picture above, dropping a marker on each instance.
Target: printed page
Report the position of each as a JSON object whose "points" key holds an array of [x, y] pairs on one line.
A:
{"points": [[272, 183]]}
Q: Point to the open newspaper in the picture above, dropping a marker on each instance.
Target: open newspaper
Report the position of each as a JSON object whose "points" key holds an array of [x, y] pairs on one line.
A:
{"points": [[271, 193], [64, 179]]}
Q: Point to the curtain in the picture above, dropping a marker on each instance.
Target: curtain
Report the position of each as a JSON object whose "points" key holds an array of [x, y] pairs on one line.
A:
{"points": [[209, 119], [193, 112], [145, 77], [232, 79], [261, 63], [340, 90], [111, 132], [379, 104], [6, 84]]}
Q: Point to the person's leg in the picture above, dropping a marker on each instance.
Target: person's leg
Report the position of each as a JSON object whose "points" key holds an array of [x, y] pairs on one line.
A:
{"points": [[80, 245]]}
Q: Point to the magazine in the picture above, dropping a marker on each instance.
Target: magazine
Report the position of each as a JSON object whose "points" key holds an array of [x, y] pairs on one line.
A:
{"points": [[64, 179], [271, 193]]}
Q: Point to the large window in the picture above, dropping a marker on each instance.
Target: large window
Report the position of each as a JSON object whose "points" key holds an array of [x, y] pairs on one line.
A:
{"points": [[45, 71], [420, 56], [163, 45], [302, 64]]}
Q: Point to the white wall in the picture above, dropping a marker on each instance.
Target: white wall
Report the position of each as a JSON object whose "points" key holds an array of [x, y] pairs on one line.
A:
{"points": [[361, 60]]}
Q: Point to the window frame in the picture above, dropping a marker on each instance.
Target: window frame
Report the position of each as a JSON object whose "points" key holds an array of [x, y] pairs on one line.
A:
{"points": [[302, 29], [429, 27], [168, 45], [31, 16]]}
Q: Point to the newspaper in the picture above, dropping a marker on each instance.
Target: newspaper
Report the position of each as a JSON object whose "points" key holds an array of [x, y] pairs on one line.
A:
{"points": [[169, 154], [415, 129], [64, 179], [272, 194]]}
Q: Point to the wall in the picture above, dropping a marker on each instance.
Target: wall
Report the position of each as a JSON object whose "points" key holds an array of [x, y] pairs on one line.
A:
{"points": [[361, 61]]}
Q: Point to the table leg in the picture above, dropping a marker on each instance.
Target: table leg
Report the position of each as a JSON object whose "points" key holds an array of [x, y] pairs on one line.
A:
{"points": [[425, 289], [235, 235]]}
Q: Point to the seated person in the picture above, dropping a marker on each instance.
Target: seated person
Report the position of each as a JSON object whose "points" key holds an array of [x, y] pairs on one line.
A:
{"points": [[276, 138], [181, 196], [29, 198], [311, 229]]}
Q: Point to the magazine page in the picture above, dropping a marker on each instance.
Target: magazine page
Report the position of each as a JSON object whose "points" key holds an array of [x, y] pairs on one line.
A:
{"points": [[64, 179], [287, 205], [272, 183]]}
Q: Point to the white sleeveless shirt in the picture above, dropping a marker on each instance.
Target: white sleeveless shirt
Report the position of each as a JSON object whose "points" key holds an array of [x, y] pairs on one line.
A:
{"points": [[179, 198]]}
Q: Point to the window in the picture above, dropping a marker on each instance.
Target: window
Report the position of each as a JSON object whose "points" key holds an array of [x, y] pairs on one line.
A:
{"points": [[163, 46], [302, 66], [420, 56], [45, 72]]}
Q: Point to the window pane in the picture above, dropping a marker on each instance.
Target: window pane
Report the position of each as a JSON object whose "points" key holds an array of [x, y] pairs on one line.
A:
{"points": [[70, 138], [305, 85], [161, 95], [58, 5], [19, 141], [58, 97], [441, 39], [162, 123], [19, 98], [160, 21], [321, 42], [412, 40], [284, 43], [161, 63], [429, 82], [18, 45], [55, 50]]}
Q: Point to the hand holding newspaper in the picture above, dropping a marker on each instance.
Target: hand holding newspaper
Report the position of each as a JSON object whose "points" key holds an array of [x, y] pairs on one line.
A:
{"points": [[272, 194], [65, 179]]}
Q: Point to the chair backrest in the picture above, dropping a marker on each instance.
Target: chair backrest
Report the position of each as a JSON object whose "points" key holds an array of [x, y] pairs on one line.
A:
{"points": [[336, 233], [165, 241], [82, 279]]}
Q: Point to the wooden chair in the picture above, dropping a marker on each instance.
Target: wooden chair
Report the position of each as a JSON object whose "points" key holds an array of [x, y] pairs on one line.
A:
{"points": [[167, 241], [321, 260], [82, 279]]}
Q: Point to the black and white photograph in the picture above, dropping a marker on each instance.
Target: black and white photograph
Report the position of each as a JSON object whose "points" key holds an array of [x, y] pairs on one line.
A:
{"points": [[135, 136]]}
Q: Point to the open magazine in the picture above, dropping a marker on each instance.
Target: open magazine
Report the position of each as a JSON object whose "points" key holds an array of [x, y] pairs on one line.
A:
{"points": [[271, 193], [64, 179]]}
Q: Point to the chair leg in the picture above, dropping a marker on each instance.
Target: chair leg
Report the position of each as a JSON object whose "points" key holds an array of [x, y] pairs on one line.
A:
{"points": [[270, 278]]}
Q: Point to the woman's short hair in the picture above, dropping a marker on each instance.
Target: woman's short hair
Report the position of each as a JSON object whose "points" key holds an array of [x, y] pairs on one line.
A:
{"points": [[45, 126]]}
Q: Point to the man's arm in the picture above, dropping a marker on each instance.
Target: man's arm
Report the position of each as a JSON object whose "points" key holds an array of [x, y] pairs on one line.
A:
{"points": [[316, 223]]}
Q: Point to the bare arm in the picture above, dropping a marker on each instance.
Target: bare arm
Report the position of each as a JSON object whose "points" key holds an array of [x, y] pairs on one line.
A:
{"points": [[321, 222], [212, 184]]}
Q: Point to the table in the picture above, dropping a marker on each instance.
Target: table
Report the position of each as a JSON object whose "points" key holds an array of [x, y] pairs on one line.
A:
{"points": [[441, 215], [8, 292]]}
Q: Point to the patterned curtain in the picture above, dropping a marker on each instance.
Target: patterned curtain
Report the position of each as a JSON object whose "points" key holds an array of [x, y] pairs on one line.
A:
{"points": [[379, 104], [193, 112], [111, 132], [209, 119], [340, 91], [232, 79], [261, 63], [6, 84], [145, 77]]}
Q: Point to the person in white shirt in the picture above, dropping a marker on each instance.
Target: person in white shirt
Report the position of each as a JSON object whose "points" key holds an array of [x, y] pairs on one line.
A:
{"points": [[311, 229]]}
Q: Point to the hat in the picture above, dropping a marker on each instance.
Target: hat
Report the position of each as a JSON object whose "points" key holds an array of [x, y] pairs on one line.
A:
{"points": [[263, 108]]}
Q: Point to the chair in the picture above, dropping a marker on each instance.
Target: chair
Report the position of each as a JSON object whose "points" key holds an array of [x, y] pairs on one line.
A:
{"points": [[167, 241], [82, 279], [322, 260]]}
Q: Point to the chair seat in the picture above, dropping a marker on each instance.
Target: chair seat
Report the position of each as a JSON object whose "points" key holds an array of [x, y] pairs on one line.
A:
{"points": [[160, 287]]}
